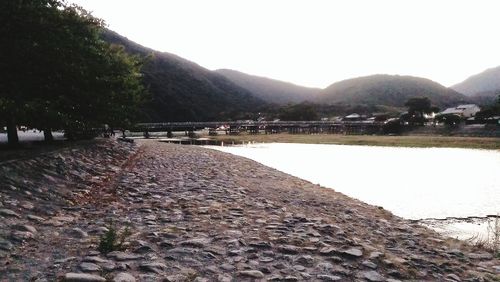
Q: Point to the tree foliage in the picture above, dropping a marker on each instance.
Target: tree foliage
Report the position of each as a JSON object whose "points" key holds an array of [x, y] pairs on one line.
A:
{"points": [[490, 111], [449, 119], [57, 73], [303, 111], [184, 91], [388, 90], [417, 107]]}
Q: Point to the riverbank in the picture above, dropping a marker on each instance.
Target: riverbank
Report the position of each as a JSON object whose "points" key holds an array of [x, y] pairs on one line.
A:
{"points": [[369, 140], [196, 214]]}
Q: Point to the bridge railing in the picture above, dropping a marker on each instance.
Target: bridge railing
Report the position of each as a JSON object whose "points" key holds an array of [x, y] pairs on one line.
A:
{"points": [[217, 124]]}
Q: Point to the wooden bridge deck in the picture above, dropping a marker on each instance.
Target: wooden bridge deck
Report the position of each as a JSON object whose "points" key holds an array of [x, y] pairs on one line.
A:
{"points": [[254, 127]]}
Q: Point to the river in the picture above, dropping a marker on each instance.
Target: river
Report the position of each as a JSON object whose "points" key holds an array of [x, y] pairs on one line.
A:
{"points": [[414, 183]]}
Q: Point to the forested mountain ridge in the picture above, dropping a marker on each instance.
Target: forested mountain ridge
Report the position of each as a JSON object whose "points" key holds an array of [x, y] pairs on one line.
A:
{"points": [[487, 81], [271, 90], [483, 88], [184, 91], [181, 90], [388, 90]]}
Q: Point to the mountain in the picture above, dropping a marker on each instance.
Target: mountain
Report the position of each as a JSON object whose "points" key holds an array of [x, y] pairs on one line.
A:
{"points": [[388, 90], [184, 91], [485, 83], [271, 90]]}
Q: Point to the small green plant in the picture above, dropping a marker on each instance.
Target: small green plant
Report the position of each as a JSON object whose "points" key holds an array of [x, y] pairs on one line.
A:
{"points": [[112, 240]]}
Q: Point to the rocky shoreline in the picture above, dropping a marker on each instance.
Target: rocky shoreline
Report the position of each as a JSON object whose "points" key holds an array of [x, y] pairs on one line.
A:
{"points": [[196, 214]]}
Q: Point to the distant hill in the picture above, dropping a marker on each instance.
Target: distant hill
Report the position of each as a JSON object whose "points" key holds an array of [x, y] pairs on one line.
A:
{"points": [[388, 90], [184, 91], [271, 90], [486, 83]]}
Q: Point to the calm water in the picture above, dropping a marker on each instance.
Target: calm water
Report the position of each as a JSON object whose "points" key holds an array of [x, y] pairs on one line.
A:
{"points": [[414, 183]]}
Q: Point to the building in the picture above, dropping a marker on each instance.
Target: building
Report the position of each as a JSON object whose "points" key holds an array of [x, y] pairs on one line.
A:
{"points": [[353, 117], [465, 111]]}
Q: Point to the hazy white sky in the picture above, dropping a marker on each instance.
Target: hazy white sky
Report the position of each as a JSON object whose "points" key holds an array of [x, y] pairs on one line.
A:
{"points": [[316, 42]]}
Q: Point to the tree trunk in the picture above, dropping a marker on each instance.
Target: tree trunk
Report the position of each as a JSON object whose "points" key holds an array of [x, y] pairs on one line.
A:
{"points": [[13, 138], [47, 134]]}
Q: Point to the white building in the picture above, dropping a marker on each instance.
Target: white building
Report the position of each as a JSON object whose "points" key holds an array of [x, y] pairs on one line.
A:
{"points": [[465, 111]]}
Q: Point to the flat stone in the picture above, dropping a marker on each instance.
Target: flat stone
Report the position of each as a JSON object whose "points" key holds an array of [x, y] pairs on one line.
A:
{"points": [[35, 218], [233, 233], [21, 236], [83, 277], [108, 266], [9, 213], [338, 269], [306, 260], [266, 259], [299, 267], [224, 278], [27, 228], [480, 256], [99, 230], [324, 267], [369, 264], [456, 252], [143, 249], [78, 233], [289, 249], [121, 256], [453, 277], [373, 276], [328, 251], [227, 267], [176, 278], [64, 260], [196, 242], [261, 245], [181, 252], [27, 205], [376, 255], [275, 278], [94, 259], [251, 273], [155, 267], [353, 252], [89, 267], [5, 245], [123, 277], [324, 277]]}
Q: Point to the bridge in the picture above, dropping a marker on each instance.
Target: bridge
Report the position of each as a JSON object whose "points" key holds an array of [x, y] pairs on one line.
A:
{"points": [[269, 127]]}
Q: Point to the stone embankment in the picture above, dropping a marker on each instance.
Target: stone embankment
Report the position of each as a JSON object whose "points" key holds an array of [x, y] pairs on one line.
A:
{"points": [[195, 214]]}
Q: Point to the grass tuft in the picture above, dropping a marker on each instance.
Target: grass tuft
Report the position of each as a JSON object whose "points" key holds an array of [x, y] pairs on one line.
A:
{"points": [[113, 240]]}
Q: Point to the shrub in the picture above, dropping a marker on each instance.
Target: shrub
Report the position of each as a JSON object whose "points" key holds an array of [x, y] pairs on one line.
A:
{"points": [[112, 240]]}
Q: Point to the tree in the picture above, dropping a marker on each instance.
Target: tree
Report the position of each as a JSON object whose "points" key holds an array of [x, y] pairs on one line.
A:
{"points": [[302, 111], [21, 30], [449, 119], [59, 73], [417, 107], [489, 111]]}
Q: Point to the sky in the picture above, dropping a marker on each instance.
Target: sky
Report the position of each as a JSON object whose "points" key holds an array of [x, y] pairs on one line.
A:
{"points": [[316, 42]]}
